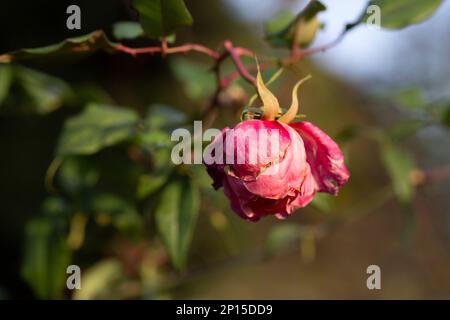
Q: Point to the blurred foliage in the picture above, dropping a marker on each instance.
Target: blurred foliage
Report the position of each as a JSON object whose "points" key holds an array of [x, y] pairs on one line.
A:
{"points": [[161, 18], [198, 82], [127, 30], [176, 214], [399, 165], [47, 255], [24, 91], [281, 236], [289, 30], [97, 127]]}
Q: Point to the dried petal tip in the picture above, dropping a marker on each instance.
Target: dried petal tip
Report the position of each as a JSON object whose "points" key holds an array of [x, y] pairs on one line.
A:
{"points": [[293, 109], [271, 107]]}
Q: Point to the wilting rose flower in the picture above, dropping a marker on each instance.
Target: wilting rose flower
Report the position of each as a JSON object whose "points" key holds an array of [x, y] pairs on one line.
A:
{"points": [[271, 167], [275, 181]]}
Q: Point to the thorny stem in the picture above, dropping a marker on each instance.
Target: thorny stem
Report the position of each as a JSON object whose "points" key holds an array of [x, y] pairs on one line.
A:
{"points": [[180, 49], [231, 51], [234, 54]]}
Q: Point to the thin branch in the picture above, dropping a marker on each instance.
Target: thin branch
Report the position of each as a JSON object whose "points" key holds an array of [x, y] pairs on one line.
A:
{"points": [[297, 54], [180, 49], [234, 54], [231, 51], [312, 51]]}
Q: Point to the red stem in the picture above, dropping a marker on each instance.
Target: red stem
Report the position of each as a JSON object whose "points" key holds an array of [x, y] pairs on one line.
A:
{"points": [[235, 56], [312, 51], [166, 50], [234, 53]]}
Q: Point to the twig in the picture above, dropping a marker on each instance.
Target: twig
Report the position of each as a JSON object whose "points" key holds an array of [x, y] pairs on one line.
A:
{"points": [[312, 51], [231, 51], [234, 54], [180, 49]]}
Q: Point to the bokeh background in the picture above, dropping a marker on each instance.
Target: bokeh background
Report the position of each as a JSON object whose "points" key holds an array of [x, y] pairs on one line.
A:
{"points": [[388, 80]]}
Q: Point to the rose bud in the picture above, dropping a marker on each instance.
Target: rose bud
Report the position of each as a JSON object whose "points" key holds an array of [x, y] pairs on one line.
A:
{"points": [[271, 167]]}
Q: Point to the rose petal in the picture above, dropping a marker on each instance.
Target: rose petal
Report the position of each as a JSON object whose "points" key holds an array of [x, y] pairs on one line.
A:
{"points": [[283, 178], [255, 150], [324, 156]]}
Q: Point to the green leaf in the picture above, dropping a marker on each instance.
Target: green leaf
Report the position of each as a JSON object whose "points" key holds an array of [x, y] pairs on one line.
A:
{"points": [[402, 13], [127, 30], [280, 237], [161, 18], [122, 214], [410, 98], [278, 29], [97, 127], [162, 117], [44, 93], [399, 165], [175, 215], [72, 47], [46, 257], [6, 77], [149, 184], [151, 140], [77, 175], [198, 82], [287, 30]]}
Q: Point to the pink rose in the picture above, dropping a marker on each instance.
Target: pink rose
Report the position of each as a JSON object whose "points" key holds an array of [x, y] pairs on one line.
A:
{"points": [[276, 183], [271, 167]]}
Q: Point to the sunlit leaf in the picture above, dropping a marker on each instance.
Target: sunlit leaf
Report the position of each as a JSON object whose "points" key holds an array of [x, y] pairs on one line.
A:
{"points": [[97, 127], [69, 48], [402, 13], [176, 215], [280, 237], [100, 280], [162, 17], [127, 30], [288, 30]]}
